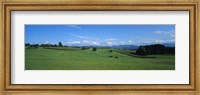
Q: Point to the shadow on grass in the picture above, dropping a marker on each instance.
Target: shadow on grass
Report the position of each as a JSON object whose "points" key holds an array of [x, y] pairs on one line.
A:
{"points": [[62, 48], [133, 54]]}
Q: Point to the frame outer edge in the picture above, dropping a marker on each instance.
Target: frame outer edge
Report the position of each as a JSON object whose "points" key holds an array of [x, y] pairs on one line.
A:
{"points": [[196, 54], [3, 46]]}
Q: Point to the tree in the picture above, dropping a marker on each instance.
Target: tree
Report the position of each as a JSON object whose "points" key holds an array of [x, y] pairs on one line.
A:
{"points": [[54, 45], [155, 49], [94, 49], [60, 44], [34, 46], [42, 45], [170, 50], [141, 51], [27, 44], [83, 48], [48, 45]]}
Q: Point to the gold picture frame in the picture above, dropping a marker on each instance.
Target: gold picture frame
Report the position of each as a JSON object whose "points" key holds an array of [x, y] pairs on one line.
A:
{"points": [[119, 5]]}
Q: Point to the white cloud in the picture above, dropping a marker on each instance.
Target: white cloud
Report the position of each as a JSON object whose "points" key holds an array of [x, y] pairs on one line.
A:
{"points": [[80, 36], [46, 42], [83, 37], [121, 42], [169, 33], [75, 26], [95, 43], [89, 42], [76, 42], [109, 43], [158, 41], [159, 32], [70, 43], [111, 39]]}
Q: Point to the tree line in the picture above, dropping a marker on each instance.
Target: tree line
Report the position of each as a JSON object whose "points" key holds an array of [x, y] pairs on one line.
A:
{"points": [[28, 45], [43, 45], [155, 49]]}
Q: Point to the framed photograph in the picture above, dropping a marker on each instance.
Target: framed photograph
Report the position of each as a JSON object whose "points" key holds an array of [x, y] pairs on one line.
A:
{"points": [[100, 46]]}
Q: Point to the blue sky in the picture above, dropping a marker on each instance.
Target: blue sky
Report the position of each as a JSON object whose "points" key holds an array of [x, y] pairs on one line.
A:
{"points": [[100, 35]]}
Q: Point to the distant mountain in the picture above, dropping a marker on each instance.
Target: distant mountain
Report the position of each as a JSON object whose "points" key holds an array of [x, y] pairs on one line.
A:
{"points": [[128, 47], [131, 47], [169, 44]]}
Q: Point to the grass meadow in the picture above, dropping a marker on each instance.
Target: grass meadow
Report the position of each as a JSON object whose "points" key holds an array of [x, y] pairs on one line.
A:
{"points": [[66, 58]]}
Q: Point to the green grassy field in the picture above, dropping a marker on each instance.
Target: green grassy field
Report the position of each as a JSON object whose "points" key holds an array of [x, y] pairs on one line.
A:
{"points": [[75, 59]]}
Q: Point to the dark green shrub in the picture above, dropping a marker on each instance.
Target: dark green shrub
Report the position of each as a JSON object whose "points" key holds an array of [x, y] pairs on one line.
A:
{"points": [[94, 49], [60, 44], [141, 51]]}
